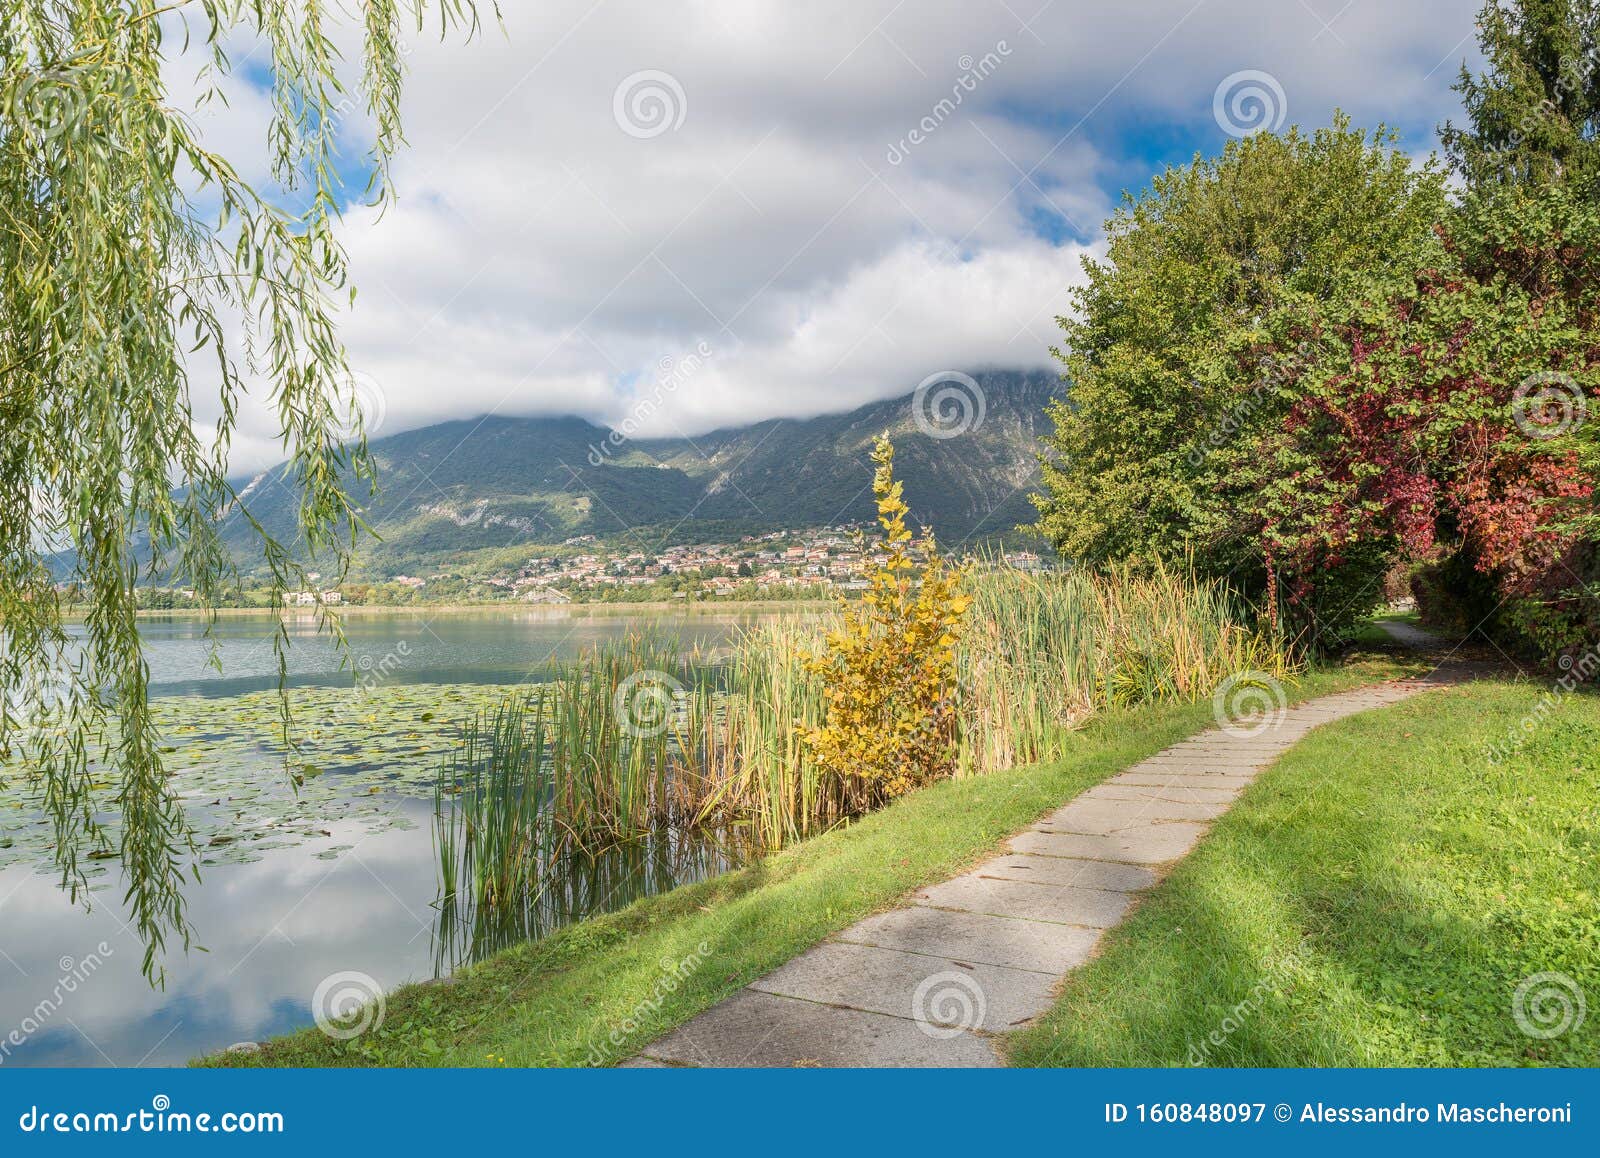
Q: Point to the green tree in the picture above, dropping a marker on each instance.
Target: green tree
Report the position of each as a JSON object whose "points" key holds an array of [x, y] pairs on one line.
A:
{"points": [[125, 247], [1170, 382], [1442, 414], [1534, 115]]}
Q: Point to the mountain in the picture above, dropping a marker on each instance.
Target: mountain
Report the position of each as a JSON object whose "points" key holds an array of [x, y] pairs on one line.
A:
{"points": [[497, 482]]}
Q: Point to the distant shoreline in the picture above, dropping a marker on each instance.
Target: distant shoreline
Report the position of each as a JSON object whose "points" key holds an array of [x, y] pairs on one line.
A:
{"points": [[356, 610]]}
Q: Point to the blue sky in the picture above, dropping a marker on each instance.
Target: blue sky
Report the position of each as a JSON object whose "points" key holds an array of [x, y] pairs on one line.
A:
{"points": [[606, 185]]}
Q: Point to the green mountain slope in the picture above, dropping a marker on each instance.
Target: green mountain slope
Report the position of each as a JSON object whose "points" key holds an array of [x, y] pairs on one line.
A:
{"points": [[495, 482]]}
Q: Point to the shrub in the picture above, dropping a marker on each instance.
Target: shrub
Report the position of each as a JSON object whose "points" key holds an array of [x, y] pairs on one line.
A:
{"points": [[890, 668]]}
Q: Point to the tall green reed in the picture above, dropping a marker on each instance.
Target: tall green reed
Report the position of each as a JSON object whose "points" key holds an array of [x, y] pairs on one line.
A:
{"points": [[641, 739], [1042, 653], [493, 829]]}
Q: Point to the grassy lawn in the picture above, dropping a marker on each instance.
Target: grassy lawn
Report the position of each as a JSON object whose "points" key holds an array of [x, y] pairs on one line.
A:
{"points": [[1374, 900], [649, 968]]}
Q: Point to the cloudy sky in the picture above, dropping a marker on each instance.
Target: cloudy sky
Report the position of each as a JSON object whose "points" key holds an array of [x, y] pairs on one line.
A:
{"points": [[835, 198]]}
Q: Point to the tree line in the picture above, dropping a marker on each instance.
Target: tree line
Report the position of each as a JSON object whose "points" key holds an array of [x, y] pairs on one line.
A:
{"points": [[1311, 365]]}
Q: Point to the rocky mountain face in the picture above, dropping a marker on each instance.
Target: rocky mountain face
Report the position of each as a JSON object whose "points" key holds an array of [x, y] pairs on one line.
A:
{"points": [[968, 459]]}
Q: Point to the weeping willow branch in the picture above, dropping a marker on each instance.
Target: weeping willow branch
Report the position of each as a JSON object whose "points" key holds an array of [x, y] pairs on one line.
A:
{"points": [[126, 246]]}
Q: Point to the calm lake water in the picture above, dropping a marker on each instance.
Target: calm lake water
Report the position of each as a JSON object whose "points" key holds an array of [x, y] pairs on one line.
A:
{"points": [[468, 646], [353, 901]]}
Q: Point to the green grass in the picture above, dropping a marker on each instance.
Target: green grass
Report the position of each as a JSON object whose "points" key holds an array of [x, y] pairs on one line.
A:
{"points": [[639, 740], [557, 1001], [1374, 900]]}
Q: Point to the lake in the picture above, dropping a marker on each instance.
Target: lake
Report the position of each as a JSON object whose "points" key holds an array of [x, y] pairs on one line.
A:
{"points": [[295, 891], [408, 647]]}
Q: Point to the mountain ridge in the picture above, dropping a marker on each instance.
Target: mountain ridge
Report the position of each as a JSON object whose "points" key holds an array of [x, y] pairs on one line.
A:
{"points": [[495, 481]]}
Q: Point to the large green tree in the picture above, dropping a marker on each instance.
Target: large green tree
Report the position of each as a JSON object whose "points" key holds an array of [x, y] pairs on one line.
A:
{"points": [[1442, 414], [126, 245], [1534, 114], [1173, 368]]}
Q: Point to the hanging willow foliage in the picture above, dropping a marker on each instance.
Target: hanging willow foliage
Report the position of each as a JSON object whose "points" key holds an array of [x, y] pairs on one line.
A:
{"points": [[126, 247]]}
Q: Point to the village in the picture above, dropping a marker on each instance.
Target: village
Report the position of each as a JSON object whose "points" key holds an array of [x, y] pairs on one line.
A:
{"points": [[779, 564]]}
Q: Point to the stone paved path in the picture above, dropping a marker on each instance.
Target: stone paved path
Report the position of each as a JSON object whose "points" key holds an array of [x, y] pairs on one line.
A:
{"points": [[980, 954]]}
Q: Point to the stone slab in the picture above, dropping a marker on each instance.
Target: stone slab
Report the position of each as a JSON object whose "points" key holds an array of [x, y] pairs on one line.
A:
{"points": [[977, 938], [1177, 792], [1100, 816], [1212, 760], [1094, 816], [1060, 870], [984, 950], [753, 1029], [1148, 844], [1198, 768], [1157, 779], [929, 989], [1061, 904]]}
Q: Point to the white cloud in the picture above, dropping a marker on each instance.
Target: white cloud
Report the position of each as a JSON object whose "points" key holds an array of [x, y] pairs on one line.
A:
{"points": [[542, 260]]}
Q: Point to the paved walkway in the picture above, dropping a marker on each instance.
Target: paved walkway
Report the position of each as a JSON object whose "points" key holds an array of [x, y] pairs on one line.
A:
{"points": [[983, 953], [1418, 638]]}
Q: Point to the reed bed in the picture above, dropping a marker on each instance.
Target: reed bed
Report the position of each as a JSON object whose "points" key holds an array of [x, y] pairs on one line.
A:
{"points": [[1042, 653], [640, 741], [497, 787]]}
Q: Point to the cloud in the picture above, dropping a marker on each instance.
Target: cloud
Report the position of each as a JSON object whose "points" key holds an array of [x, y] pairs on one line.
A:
{"points": [[836, 198]]}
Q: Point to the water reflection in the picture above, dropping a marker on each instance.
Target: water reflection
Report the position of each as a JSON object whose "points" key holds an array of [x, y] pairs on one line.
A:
{"points": [[268, 933], [271, 931], [352, 899], [577, 885]]}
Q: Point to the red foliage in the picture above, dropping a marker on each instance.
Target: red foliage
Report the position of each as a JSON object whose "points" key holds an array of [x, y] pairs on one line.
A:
{"points": [[1409, 443]]}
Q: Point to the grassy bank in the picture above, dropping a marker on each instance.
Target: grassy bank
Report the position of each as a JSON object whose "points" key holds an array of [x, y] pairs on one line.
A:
{"points": [[638, 735], [1374, 900], [599, 990]]}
